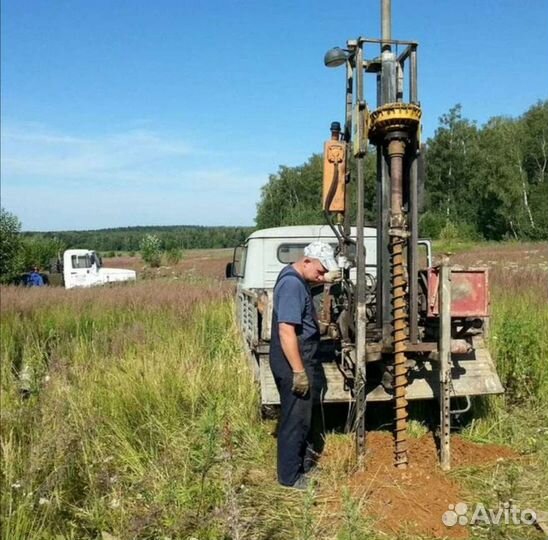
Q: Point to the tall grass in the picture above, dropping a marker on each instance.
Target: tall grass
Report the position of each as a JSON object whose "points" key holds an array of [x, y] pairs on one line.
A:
{"points": [[139, 410], [518, 342], [519, 345]]}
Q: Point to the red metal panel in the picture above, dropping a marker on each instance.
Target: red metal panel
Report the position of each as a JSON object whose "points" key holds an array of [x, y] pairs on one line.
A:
{"points": [[469, 292]]}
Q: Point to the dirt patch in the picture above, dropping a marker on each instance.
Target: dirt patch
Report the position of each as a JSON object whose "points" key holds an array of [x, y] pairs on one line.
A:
{"points": [[195, 263], [414, 500], [205, 266]]}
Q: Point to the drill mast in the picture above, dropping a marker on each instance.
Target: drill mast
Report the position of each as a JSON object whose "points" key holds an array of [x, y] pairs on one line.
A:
{"points": [[393, 128]]}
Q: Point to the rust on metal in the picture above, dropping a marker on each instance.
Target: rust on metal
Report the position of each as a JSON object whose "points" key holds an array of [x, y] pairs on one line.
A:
{"points": [[396, 151], [469, 292], [458, 346], [400, 367]]}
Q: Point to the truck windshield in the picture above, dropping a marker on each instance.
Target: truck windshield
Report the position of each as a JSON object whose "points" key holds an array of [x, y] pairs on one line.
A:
{"points": [[81, 261], [289, 253]]}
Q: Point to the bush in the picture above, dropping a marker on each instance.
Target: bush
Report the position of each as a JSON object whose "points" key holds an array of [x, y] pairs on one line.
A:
{"points": [[151, 251], [40, 251], [459, 232], [174, 255], [10, 246], [431, 225]]}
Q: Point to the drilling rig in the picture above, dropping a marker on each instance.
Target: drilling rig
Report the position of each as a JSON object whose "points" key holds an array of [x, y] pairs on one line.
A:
{"points": [[430, 321]]}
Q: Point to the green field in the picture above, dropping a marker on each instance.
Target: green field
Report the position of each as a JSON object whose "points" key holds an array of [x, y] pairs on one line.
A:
{"points": [[129, 412]]}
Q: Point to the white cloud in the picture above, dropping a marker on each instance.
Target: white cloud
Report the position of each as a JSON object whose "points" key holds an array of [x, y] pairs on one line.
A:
{"points": [[32, 151], [54, 180]]}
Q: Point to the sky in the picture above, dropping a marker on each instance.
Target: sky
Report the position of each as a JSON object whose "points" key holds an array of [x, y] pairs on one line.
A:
{"points": [[118, 113]]}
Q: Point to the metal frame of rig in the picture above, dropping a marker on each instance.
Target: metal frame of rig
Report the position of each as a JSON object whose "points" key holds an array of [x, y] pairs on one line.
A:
{"points": [[394, 320]]}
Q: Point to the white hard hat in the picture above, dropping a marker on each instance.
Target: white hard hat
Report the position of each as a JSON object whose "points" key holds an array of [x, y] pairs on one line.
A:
{"points": [[324, 253]]}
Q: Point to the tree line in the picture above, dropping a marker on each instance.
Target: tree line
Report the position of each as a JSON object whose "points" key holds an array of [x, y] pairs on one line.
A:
{"points": [[129, 238], [481, 182]]}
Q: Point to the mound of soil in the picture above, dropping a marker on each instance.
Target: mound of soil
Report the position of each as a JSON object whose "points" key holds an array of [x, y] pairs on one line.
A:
{"points": [[415, 499]]}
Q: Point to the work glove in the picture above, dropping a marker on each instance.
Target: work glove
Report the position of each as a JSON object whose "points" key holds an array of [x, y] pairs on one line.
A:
{"points": [[300, 383], [333, 277]]}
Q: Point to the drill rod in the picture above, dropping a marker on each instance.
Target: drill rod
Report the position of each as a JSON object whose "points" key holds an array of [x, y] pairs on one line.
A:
{"points": [[396, 149]]}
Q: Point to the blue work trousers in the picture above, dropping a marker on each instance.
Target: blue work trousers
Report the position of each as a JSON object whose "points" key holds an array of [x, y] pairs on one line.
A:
{"points": [[295, 437]]}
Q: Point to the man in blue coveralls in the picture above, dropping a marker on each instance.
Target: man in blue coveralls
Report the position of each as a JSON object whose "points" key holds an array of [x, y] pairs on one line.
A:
{"points": [[35, 279], [294, 341]]}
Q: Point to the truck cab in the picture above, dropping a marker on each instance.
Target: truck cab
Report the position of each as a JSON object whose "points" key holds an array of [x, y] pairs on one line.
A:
{"points": [[258, 262]]}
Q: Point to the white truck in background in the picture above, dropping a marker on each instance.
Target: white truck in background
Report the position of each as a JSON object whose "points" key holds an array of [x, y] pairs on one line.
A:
{"points": [[78, 268], [84, 268]]}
